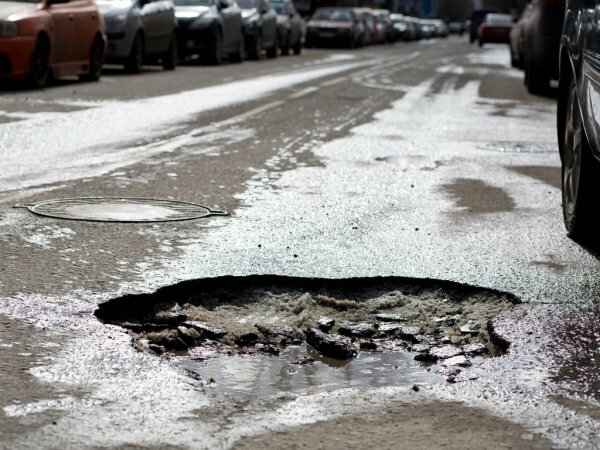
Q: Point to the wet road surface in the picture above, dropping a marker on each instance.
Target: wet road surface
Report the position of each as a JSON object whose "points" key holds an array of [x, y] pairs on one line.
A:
{"points": [[424, 160]]}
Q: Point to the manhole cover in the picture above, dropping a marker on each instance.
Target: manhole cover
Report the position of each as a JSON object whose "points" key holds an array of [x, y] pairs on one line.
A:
{"points": [[108, 209]]}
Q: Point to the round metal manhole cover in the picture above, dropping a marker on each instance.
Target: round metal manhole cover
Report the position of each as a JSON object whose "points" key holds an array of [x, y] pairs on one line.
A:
{"points": [[109, 209]]}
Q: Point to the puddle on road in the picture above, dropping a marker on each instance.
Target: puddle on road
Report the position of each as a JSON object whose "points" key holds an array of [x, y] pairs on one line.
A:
{"points": [[479, 197], [246, 377], [548, 175], [260, 335], [405, 162]]}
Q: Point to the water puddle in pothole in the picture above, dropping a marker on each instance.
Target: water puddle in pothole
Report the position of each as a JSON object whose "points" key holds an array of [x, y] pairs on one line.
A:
{"points": [[250, 377], [257, 336], [405, 162]]}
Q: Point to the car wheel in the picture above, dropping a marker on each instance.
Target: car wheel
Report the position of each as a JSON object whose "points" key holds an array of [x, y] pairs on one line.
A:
{"points": [[96, 60], [135, 60], [216, 54], [285, 48], [274, 49], [298, 46], [39, 67], [256, 47], [169, 59], [238, 55], [580, 171]]}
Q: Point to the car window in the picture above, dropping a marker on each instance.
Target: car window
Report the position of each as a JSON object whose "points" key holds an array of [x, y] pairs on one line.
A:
{"points": [[247, 4], [337, 15], [498, 19], [279, 7], [193, 2]]}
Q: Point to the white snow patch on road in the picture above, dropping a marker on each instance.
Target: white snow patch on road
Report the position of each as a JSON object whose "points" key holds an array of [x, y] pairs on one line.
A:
{"points": [[59, 146]]}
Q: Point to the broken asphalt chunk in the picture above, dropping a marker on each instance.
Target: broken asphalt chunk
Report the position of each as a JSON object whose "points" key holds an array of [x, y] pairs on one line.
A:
{"points": [[360, 330], [331, 346], [205, 330], [385, 317], [246, 339], [325, 324]]}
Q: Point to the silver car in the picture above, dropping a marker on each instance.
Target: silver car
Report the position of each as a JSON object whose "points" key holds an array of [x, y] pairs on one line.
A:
{"points": [[139, 32], [290, 26]]}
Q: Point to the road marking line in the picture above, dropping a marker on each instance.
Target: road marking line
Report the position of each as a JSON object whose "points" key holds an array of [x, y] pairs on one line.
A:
{"points": [[252, 112], [303, 92]]}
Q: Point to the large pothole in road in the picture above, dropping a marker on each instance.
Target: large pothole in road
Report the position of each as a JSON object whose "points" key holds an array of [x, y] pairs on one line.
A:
{"points": [[262, 335]]}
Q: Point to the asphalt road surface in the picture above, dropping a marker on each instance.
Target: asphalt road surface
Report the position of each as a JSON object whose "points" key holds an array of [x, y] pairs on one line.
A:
{"points": [[421, 160]]}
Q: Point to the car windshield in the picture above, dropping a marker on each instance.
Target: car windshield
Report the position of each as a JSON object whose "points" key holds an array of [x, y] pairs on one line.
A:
{"points": [[247, 4], [498, 19], [193, 2], [337, 15], [279, 7]]}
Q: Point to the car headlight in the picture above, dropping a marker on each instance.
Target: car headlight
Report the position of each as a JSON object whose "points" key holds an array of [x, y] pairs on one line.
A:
{"points": [[8, 29], [117, 21]]}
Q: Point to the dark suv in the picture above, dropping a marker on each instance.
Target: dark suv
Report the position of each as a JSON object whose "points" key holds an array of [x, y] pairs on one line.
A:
{"points": [[577, 119]]}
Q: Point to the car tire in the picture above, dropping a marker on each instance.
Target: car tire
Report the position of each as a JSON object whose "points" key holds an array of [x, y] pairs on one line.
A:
{"points": [[240, 53], [274, 49], [285, 48], [39, 66], [297, 48], [216, 54], [135, 60], [169, 59], [96, 61], [580, 173], [255, 48]]}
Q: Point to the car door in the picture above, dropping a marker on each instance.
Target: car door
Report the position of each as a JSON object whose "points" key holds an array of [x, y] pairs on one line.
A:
{"points": [[232, 22], [63, 18], [86, 25], [589, 23], [154, 22], [269, 18]]}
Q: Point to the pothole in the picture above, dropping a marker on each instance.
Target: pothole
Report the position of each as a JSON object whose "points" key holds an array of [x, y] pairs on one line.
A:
{"points": [[258, 336], [113, 209]]}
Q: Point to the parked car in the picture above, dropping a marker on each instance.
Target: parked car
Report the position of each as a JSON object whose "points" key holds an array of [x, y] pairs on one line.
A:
{"points": [[495, 29], [415, 23], [401, 28], [260, 28], [517, 37], [50, 38], [541, 33], [210, 29], [290, 26], [441, 29], [337, 26], [387, 26], [577, 118], [370, 21], [364, 31], [140, 32], [456, 28], [477, 18], [426, 29]]}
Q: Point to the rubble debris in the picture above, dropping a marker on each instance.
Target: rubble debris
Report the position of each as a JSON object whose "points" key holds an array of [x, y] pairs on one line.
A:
{"points": [[331, 346], [303, 360], [325, 324], [383, 317], [205, 330], [246, 339], [359, 330]]}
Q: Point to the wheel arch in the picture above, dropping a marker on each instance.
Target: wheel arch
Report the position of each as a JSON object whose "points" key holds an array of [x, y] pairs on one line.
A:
{"points": [[566, 73]]}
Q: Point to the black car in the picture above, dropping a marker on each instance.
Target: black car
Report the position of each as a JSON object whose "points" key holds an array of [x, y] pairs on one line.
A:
{"points": [[260, 28], [577, 118], [333, 26], [210, 29]]}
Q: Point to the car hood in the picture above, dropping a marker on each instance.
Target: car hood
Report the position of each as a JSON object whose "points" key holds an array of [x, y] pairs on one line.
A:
{"points": [[113, 7], [191, 12], [8, 9]]}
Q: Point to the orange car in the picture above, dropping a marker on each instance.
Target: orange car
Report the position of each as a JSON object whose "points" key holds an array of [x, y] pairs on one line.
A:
{"points": [[52, 38]]}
